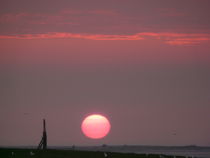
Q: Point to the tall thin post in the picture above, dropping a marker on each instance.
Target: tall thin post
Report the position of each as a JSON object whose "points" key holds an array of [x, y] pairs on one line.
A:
{"points": [[43, 142]]}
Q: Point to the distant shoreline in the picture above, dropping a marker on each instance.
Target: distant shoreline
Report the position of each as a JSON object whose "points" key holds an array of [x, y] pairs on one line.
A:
{"points": [[55, 153], [127, 145], [187, 151]]}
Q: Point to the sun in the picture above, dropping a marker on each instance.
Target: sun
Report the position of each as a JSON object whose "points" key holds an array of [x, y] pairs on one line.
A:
{"points": [[95, 126]]}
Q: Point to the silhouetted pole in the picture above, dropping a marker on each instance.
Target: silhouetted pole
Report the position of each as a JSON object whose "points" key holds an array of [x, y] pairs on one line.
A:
{"points": [[43, 142]]}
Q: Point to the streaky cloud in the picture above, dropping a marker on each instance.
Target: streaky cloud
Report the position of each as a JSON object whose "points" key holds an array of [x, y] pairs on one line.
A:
{"points": [[168, 38]]}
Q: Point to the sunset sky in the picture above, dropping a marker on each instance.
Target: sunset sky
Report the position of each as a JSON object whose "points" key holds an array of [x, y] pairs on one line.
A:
{"points": [[144, 64]]}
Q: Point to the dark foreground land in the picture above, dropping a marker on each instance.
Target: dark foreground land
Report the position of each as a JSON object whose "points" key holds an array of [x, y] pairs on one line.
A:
{"points": [[54, 153]]}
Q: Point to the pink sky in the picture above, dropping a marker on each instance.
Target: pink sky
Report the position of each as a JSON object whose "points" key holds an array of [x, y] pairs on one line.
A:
{"points": [[145, 62]]}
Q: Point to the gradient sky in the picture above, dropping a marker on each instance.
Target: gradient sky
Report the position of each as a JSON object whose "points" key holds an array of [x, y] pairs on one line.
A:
{"points": [[145, 64]]}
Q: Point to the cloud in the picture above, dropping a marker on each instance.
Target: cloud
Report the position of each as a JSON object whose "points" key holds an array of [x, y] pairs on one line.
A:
{"points": [[179, 38], [107, 17], [58, 35], [62, 17], [102, 21], [12, 18], [188, 41], [168, 38]]}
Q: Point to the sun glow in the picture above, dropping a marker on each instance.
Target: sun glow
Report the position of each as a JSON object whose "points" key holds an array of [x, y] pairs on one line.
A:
{"points": [[95, 126]]}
